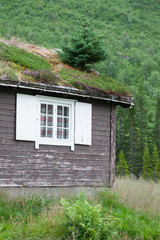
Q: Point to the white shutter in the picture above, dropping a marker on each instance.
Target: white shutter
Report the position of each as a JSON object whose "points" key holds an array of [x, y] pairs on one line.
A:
{"points": [[26, 117], [83, 123]]}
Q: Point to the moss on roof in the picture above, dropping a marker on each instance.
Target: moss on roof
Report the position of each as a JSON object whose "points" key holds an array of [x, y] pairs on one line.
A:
{"points": [[25, 62], [92, 81]]}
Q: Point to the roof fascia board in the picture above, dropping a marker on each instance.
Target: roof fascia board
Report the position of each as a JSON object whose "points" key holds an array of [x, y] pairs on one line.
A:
{"points": [[61, 90]]}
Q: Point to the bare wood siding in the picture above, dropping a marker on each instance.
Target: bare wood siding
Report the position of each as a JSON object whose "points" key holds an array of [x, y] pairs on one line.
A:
{"points": [[113, 144], [22, 165]]}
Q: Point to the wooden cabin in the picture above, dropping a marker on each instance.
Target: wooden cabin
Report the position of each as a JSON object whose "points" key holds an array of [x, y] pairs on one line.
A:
{"points": [[52, 136]]}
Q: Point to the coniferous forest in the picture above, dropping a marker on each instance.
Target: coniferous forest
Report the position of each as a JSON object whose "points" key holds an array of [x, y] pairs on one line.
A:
{"points": [[131, 34]]}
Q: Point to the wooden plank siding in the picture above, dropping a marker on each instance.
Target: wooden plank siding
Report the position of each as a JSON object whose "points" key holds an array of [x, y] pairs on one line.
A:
{"points": [[22, 165]]}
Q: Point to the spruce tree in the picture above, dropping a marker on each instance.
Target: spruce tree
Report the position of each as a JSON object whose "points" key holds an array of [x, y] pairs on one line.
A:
{"points": [[122, 166], [147, 167], [85, 48], [141, 127], [157, 124], [155, 164]]}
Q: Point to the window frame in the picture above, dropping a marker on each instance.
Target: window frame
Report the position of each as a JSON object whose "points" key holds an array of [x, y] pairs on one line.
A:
{"points": [[57, 102]]}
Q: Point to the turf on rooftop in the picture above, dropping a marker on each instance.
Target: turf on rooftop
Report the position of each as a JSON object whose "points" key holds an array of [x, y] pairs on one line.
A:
{"points": [[41, 65]]}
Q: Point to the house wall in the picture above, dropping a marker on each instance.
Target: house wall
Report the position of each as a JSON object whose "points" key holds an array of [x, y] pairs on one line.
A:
{"points": [[22, 165]]}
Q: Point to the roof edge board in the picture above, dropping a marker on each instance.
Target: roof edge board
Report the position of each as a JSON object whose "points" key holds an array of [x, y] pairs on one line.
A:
{"points": [[61, 90]]}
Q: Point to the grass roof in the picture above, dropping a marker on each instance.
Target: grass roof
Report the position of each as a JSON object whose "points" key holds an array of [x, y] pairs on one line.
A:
{"points": [[25, 62]]}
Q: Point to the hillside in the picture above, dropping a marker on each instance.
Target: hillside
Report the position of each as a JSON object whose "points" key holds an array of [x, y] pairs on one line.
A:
{"points": [[130, 29], [132, 38]]}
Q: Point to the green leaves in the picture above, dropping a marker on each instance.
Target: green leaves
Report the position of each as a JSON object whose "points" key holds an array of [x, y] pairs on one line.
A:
{"points": [[86, 221]]}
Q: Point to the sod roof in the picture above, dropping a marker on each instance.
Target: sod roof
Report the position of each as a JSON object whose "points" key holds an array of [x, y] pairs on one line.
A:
{"points": [[26, 63]]}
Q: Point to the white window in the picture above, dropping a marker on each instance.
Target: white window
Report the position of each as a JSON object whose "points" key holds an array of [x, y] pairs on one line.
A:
{"points": [[56, 125], [53, 121]]}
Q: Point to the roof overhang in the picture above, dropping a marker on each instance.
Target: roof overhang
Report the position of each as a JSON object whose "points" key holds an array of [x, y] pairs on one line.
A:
{"points": [[120, 100]]}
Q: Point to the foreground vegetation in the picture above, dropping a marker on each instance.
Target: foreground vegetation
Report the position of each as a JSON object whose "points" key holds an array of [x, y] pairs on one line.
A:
{"points": [[126, 212]]}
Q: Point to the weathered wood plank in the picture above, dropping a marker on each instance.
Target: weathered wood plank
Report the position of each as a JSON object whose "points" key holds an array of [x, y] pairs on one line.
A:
{"points": [[4, 106], [7, 118], [5, 95]]}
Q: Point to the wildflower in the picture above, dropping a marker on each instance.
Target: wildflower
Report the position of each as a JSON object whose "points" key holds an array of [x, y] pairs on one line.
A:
{"points": [[26, 72]]}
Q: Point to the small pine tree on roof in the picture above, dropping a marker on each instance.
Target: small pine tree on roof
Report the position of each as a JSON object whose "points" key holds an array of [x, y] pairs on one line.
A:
{"points": [[122, 168], [85, 48]]}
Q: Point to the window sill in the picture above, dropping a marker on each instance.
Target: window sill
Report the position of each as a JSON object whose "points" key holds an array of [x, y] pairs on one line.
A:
{"points": [[55, 143]]}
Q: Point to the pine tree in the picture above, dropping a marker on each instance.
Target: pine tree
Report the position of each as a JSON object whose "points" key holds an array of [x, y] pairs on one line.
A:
{"points": [[155, 164], [86, 48], [122, 166], [157, 124], [147, 167], [141, 127]]}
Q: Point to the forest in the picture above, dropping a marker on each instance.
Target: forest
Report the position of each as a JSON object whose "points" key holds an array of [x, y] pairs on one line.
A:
{"points": [[131, 34]]}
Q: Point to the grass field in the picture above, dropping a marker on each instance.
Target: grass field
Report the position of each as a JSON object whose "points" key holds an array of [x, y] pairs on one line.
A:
{"points": [[139, 194], [128, 211]]}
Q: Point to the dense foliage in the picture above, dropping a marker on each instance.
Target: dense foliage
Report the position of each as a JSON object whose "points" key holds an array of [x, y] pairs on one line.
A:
{"points": [[132, 39]]}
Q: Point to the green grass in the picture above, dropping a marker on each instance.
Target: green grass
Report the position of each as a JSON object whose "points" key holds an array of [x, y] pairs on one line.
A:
{"points": [[23, 58], [38, 218], [134, 224], [81, 79]]}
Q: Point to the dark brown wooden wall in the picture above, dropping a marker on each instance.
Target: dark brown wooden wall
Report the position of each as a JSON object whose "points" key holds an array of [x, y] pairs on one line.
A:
{"points": [[22, 165]]}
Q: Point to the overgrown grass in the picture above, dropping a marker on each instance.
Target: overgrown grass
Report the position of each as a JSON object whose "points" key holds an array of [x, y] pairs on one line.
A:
{"points": [[23, 58], [139, 194], [80, 79], [104, 217]]}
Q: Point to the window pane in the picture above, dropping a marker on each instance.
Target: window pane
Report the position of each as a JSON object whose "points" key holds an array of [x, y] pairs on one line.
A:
{"points": [[50, 109], [50, 121], [46, 118], [66, 111], [65, 133], [59, 110], [66, 122], [59, 133], [49, 132], [43, 120], [43, 108], [43, 132], [59, 122]]}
